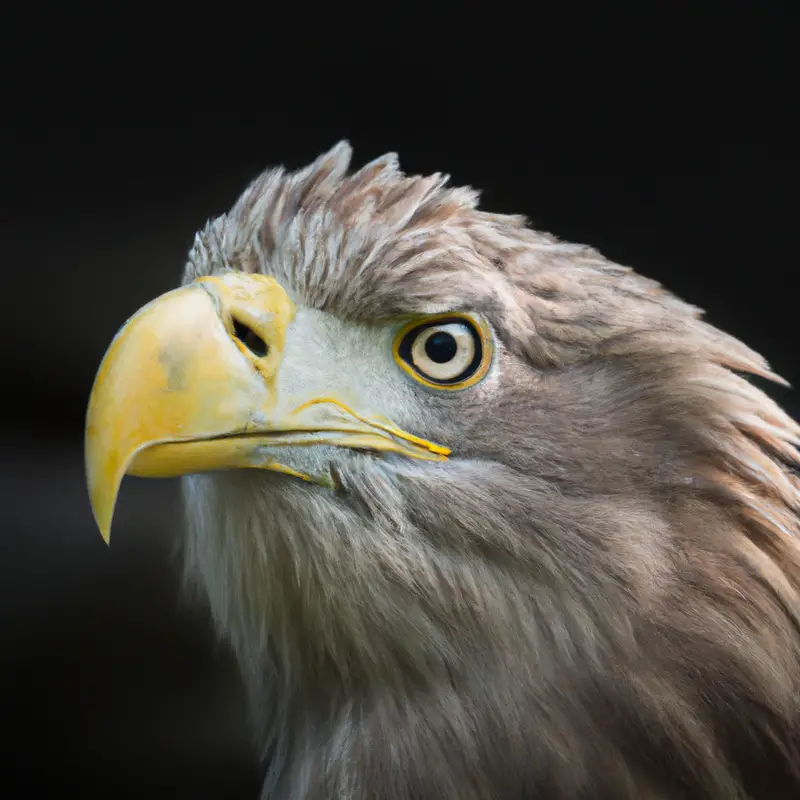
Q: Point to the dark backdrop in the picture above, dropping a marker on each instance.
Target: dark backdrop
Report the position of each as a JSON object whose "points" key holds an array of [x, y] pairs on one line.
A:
{"points": [[686, 169]]}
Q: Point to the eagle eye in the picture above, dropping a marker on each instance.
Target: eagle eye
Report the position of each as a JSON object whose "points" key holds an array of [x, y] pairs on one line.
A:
{"points": [[444, 352]]}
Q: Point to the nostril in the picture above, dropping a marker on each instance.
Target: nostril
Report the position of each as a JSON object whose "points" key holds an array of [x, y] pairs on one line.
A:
{"points": [[250, 339]]}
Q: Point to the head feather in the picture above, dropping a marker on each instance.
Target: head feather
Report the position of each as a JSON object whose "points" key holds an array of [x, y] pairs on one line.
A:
{"points": [[609, 576]]}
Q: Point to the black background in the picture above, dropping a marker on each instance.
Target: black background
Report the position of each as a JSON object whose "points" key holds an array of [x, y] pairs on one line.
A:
{"points": [[666, 143]]}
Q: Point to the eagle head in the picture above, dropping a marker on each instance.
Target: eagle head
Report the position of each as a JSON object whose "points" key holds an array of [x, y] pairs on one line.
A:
{"points": [[481, 513]]}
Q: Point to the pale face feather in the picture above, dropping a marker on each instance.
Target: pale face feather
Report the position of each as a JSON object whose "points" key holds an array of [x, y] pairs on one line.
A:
{"points": [[603, 575]]}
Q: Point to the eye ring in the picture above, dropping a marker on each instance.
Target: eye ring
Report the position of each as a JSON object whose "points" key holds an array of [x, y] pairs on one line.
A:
{"points": [[445, 351]]}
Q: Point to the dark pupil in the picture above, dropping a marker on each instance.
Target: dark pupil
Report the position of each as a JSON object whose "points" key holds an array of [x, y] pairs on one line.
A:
{"points": [[441, 347]]}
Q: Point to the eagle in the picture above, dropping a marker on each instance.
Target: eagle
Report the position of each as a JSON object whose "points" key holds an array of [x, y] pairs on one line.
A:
{"points": [[481, 513]]}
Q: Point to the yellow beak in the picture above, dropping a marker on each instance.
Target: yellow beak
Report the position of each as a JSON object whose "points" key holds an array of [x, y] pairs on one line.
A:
{"points": [[191, 384]]}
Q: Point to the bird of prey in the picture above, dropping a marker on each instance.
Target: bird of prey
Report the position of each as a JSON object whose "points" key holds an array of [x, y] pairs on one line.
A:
{"points": [[481, 513]]}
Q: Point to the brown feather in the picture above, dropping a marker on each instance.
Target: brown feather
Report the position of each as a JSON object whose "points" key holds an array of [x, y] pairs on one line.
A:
{"points": [[600, 600]]}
